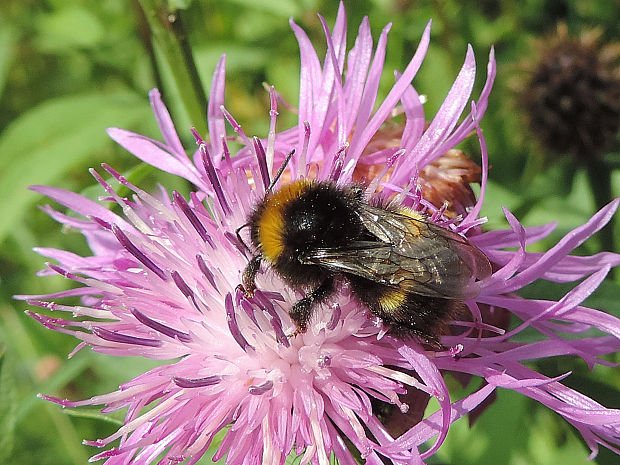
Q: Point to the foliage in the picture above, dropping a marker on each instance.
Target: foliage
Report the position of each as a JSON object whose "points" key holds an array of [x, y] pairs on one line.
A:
{"points": [[71, 68]]}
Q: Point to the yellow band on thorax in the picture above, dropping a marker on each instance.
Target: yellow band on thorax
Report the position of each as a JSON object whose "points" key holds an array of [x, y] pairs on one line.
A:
{"points": [[271, 222]]}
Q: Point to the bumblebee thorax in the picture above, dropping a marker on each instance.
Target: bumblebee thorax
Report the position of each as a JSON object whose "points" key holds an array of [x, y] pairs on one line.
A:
{"points": [[268, 220], [302, 216]]}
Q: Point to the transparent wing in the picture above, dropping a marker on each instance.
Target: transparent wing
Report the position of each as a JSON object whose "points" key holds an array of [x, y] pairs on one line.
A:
{"points": [[411, 254]]}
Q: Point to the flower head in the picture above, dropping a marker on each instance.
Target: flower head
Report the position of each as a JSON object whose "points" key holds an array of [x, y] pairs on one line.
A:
{"points": [[163, 283], [572, 97]]}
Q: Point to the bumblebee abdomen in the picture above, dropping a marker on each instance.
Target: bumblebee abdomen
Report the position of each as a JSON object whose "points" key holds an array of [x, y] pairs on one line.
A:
{"points": [[406, 313]]}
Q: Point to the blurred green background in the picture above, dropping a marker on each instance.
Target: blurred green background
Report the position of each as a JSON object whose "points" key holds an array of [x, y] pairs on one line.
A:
{"points": [[71, 68]]}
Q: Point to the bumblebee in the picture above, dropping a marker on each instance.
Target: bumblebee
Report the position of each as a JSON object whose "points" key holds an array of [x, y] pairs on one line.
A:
{"points": [[410, 272]]}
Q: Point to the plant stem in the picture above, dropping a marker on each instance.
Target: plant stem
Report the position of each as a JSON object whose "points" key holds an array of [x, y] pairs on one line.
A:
{"points": [[599, 176], [167, 32], [147, 41]]}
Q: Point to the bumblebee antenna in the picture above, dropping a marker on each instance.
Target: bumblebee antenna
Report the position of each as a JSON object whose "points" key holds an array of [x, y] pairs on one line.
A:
{"points": [[240, 239], [280, 171]]}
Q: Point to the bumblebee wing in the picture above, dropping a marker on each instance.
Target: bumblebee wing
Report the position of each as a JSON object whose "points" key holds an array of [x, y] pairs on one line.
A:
{"points": [[367, 259], [410, 254], [416, 238]]}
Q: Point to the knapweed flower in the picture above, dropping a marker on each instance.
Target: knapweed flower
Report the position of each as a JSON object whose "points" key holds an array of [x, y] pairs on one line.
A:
{"points": [[162, 283], [572, 93]]}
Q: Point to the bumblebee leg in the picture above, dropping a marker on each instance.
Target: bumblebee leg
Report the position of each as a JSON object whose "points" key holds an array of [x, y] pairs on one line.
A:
{"points": [[249, 275], [302, 310]]}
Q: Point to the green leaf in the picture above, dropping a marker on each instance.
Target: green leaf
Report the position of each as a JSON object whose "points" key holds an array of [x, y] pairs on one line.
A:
{"points": [[496, 197], [606, 298], [7, 410], [207, 459], [179, 4], [570, 211], [435, 77], [238, 58], [92, 414], [68, 28], [45, 142], [7, 49], [68, 372], [293, 459], [513, 431], [283, 9]]}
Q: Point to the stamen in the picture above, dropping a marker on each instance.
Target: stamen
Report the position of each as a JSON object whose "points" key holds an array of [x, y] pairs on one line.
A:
{"points": [[104, 224], [196, 382], [301, 167], [133, 250], [374, 183], [100, 443], [338, 162], [393, 398], [185, 289], [274, 318], [126, 205], [113, 336], [62, 402], [273, 296], [48, 322], [48, 305], [261, 388], [335, 318], [235, 125], [400, 197], [241, 301], [227, 156], [211, 173], [200, 211], [234, 240], [439, 214], [120, 178], [231, 319], [202, 266], [103, 183], [181, 284], [262, 162], [61, 271], [160, 327], [271, 138], [191, 216]]}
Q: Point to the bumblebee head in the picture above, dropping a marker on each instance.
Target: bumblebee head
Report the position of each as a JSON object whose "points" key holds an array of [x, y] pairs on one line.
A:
{"points": [[268, 222], [301, 217]]}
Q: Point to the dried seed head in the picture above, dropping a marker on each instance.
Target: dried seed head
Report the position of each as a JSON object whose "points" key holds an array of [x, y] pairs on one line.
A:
{"points": [[572, 96], [445, 180], [448, 179]]}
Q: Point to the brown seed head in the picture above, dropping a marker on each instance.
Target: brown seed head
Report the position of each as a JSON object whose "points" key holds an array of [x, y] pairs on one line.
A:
{"points": [[572, 95], [445, 180]]}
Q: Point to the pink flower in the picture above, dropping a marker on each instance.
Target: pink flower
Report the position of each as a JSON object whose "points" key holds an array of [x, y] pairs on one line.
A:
{"points": [[162, 283]]}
